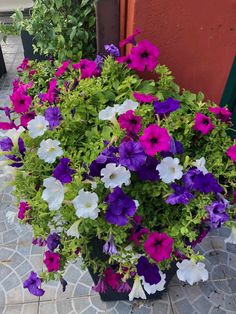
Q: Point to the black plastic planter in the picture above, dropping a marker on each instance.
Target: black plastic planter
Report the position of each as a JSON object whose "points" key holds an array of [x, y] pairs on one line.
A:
{"points": [[28, 41], [112, 295]]}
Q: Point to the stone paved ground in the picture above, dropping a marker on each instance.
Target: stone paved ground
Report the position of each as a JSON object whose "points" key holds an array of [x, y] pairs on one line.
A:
{"points": [[18, 257]]}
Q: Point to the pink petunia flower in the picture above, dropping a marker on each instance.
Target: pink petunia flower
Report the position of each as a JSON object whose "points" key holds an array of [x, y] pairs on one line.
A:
{"points": [[25, 118], [223, 114], [231, 152], [155, 139], [158, 246], [130, 39], [111, 278], [7, 125], [63, 68], [144, 98], [88, 68], [130, 122], [144, 56], [127, 60], [52, 261], [23, 210], [203, 123], [20, 101]]}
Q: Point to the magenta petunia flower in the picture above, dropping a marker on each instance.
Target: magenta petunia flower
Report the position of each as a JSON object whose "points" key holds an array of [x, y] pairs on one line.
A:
{"points": [[52, 261], [144, 98], [7, 125], [203, 124], [23, 210], [158, 246], [231, 152], [63, 68], [234, 197], [223, 114], [130, 39], [27, 117], [88, 68], [144, 56], [112, 279], [155, 139], [127, 60], [100, 287], [20, 101], [130, 122], [24, 65]]}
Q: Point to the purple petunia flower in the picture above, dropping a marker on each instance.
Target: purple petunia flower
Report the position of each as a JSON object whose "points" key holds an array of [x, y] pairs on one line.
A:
{"points": [[121, 206], [6, 144], [53, 241], [176, 147], [148, 171], [124, 288], [206, 183], [132, 155], [99, 61], [21, 146], [217, 212], [53, 116], [39, 241], [149, 271], [109, 247], [112, 50], [164, 108], [180, 196], [33, 283], [108, 155], [63, 172], [189, 176]]}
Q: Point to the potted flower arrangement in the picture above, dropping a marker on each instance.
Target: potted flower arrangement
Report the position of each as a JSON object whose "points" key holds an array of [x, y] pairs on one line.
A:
{"points": [[129, 173]]}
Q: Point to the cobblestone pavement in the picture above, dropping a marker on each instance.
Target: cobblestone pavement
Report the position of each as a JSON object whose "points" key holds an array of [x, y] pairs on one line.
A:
{"points": [[18, 257]]}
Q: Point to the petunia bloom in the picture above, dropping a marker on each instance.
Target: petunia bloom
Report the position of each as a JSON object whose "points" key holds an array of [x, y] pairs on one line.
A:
{"points": [[88, 68], [158, 246], [24, 65], [53, 193], [37, 126], [130, 122], [86, 204], [203, 124], [113, 175], [63, 172], [53, 241], [14, 134], [222, 113], [49, 150], [127, 105], [120, 207], [112, 278], [23, 210], [200, 165], [132, 155], [151, 289], [52, 261], [137, 290], [33, 283], [127, 60], [130, 39], [231, 152], [144, 98], [21, 102], [206, 183], [144, 56], [232, 236], [108, 113], [191, 272], [155, 139], [26, 118], [149, 271], [108, 155], [63, 68], [112, 50], [53, 116], [181, 195], [109, 247], [170, 170], [217, 212], [148, 171], [164, 108], [6, 144]]}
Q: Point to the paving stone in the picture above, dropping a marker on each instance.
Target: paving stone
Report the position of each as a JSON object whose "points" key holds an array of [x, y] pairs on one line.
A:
{"points": [[81, 290], [47, 308], [10, 282], [98, 303], [9, 236], [142, 310], [183, 307], [4, 271], [123, 307], [232, 285], [193, 292], [64, 307], [224, 232], [202, 305], [2, 298], [13, 309], [217, 298], [218, 243], [176, 293], [91, 310], [217, 311], [80, 304], [73, 274], [161, 308], [231, 248], [229, 304], [232, 260], [24, 268]]}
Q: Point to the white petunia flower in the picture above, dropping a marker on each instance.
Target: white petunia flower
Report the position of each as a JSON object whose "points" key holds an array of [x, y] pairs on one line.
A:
{"points": [[137, 290], [113, 175], [54, 193], [200, 164], [232, 237], [170, 170], [151, 289], [73, 230], [86, 205], [37, 126], [13, 134], [108, 113], [49, 150], [127, 105], [191, 272]]}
